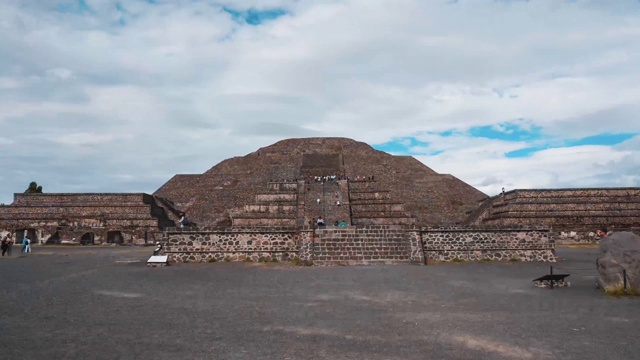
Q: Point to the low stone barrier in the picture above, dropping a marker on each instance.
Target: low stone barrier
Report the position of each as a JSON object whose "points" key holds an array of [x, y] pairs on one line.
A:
{"points": [[478, 243], [360, 244], [237, 245]]}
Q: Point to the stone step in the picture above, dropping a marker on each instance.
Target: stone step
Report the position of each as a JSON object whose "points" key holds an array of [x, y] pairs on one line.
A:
{"points": [[283, 222], [258, 215], [586, 200], [563, 213], [267, 208], [80, 199], [76, 210], [376, 207], [565, 206], [283, 186], [276, 197], [384, 221]]}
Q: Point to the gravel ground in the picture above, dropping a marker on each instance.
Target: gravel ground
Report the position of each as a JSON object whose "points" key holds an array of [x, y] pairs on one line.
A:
{"points": [[104, 303]]}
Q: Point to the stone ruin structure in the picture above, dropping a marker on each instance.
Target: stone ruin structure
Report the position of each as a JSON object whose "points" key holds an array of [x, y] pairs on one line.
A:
{"points": [[573, 214], [86, 219], [263, 206], [275, 186]]}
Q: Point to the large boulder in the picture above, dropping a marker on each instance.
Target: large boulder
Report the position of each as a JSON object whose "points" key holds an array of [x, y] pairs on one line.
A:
{"points": [[619, 251]]}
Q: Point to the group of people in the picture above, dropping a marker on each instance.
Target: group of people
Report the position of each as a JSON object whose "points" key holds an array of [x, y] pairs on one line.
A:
{"points": [[7, 245], [320, 222], [326, 178]]}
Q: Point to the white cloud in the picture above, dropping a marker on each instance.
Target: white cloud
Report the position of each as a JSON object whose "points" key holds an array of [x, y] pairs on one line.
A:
{"points": [[89, 139], [181, 84]]}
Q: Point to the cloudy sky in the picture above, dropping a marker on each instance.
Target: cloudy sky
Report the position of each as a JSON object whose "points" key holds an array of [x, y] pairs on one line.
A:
{"points": [[103, 95]]}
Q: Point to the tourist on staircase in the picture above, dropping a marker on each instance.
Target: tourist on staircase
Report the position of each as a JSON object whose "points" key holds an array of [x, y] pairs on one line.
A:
{"points": [[183, 221]]}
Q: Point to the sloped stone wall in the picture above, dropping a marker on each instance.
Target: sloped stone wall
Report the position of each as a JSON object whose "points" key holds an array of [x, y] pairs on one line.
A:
{"points": [[361, 245], [469, 243], [239, 244]]}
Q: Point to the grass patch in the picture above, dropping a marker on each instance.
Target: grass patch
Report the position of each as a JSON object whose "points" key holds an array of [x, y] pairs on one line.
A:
{"points": [[513, 259], [450, 262], [227, 259], [578, 246], [484, 260], [619, 292], [212, 260], [274, 260], [247, 259], [296, 261]]}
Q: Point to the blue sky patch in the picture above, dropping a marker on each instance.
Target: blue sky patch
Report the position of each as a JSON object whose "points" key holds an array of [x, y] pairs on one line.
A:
{"points": [[73, 7], [253, 16], [403, 146], [507, 132], [602, 139], [524, 152], [447, 133], [605, 139]]}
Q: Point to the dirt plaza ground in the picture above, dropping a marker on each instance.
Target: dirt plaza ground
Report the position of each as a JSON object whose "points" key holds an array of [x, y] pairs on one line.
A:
{"points": [[104, 303]]}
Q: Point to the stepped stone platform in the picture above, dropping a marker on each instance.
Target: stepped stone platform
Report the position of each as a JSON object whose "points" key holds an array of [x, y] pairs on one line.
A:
{"points": [[86, 219], [573, 214], [397, 189]]}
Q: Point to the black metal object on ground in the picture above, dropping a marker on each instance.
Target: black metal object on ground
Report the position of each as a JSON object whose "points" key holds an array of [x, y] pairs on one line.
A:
{"points": [[551, 280]]}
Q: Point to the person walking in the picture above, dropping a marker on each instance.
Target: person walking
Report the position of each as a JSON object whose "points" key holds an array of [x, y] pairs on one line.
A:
{"points": [[28, 244], [9, 244], [4, 246], [25, 242]]}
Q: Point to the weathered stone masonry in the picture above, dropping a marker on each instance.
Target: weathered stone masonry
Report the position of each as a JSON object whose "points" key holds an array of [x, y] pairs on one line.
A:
{"points": [[133, 218], [361, 245], [459, 243], [234, 244]]}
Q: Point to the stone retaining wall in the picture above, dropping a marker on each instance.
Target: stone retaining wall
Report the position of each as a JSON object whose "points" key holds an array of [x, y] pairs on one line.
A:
{"points": [[461, 243], [360, 245], [354, 245], [239, 245]]}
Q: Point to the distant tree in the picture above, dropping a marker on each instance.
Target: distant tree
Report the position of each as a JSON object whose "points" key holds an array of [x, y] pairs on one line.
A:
{"points": [[33, 188]]}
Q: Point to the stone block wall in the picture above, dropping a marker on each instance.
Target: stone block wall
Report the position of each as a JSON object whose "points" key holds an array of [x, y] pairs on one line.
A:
{"points": [[241, 244], [469, 243], [361, 245]]}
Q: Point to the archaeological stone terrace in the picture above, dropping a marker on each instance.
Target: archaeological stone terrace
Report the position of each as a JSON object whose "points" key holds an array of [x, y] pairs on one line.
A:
{"points": [[264, 206]]}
